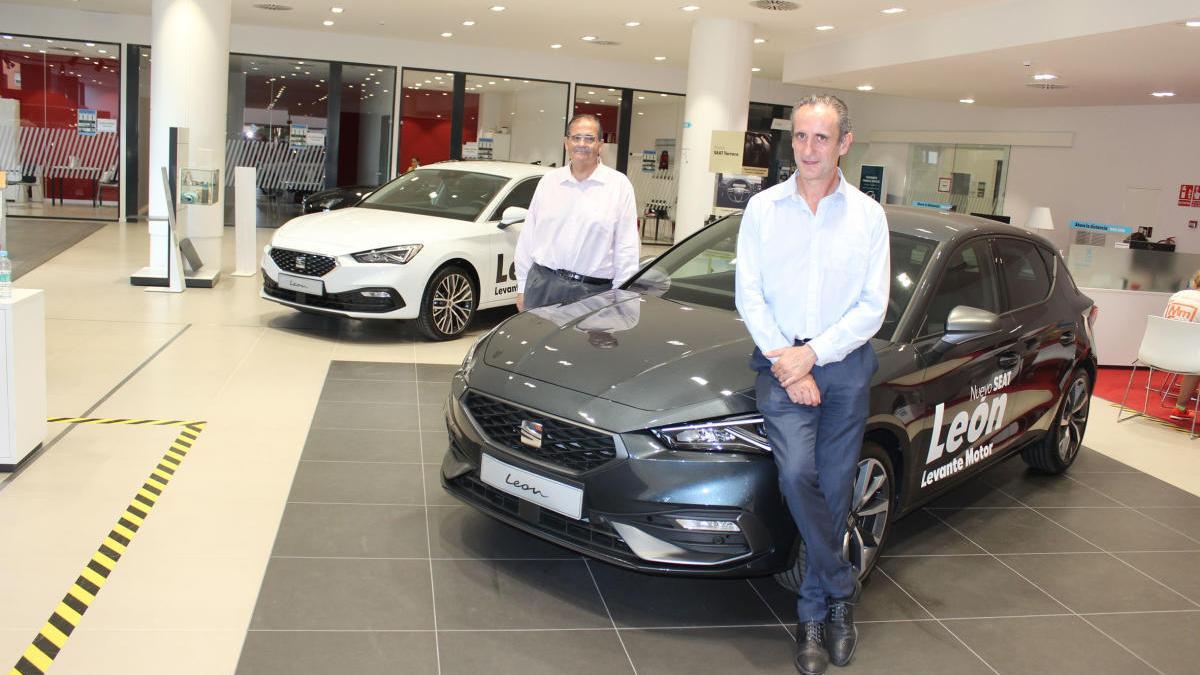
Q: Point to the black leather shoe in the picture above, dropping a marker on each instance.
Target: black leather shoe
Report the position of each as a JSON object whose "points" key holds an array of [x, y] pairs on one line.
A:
{"points": [[841, 635], [811, 657]]}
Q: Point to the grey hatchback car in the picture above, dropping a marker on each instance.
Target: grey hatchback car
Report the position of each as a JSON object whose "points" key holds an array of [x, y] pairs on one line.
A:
{"points": [[624, 426]]}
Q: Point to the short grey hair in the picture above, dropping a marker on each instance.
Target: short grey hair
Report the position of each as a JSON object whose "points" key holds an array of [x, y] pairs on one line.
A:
{"points": [[838, 105], [587, 117]]}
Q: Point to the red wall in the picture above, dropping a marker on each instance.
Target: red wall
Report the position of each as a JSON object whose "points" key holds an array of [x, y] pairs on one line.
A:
{"points": [[425, 135]]}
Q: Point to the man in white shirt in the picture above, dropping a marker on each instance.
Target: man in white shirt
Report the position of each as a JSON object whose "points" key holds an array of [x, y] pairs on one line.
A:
{"points": [[1185, 306], [812, 288], [580, 236]]}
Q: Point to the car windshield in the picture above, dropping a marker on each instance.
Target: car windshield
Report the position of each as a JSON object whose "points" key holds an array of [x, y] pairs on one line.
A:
{"points": [[701, 271], [459, 195]]}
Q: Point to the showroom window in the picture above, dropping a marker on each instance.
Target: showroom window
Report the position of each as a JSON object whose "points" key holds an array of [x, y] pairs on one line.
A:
{"points": [[426, 109], [960, 178], [655, 129], [59, 127]]}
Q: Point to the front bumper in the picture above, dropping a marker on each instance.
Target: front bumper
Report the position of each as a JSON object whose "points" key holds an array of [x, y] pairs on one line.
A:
{"points": [[631, 503], [344, 288]]}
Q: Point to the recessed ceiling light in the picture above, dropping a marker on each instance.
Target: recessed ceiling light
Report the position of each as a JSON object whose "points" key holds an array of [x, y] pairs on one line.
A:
{"points": [[103, 51], [90, 44], [498, 8], [1162, 94], [588, 38], [662, 95], [591, 93], [966, 100], [690, 8], [756, 69], [468, 23], [632, 24], [447, 34], [660, 58], [759, 41], [492, 82], [7, 37], [641, 98], [1194, 23], [892, 10], [555, 46], [336, 10], [1045, 76], [26, 45], [641, 113], [825, 27], [866, 87], [327, 22]]}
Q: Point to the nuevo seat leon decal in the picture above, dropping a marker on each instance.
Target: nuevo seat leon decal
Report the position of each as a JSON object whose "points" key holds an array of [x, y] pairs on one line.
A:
{"points": [[624, 425]]}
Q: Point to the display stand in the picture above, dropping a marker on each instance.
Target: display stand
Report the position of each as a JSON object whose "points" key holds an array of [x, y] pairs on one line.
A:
{"points": [[244, 221], [22, 376]]}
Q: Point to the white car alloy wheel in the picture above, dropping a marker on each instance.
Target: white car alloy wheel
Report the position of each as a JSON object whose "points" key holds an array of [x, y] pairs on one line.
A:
{"points": [[449, 304]]}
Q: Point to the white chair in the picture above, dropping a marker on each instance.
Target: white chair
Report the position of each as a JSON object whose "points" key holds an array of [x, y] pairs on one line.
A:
{"points": [[1169, 345]]}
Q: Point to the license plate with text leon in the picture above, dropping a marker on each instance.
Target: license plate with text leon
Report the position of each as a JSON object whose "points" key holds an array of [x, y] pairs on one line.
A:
{"points": [[545, 492], [294, 283]]}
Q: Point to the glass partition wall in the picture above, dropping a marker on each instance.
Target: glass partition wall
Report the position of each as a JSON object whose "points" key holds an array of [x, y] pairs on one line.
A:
{"points": [[59, 127], [960, 178]]}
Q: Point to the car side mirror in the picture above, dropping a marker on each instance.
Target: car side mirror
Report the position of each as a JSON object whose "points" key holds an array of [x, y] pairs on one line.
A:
{"points": [[963, 325], [511, 216]]}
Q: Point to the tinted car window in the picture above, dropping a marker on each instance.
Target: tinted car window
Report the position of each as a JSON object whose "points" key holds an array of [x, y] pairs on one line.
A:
{"points": [[459, 195], [968, 279], [701, 271], [1024, 270], [520, 196]]}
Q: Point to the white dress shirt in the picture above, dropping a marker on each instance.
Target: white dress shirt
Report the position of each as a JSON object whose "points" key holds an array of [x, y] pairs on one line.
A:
{"points": [[588, 227], [820, 276]]}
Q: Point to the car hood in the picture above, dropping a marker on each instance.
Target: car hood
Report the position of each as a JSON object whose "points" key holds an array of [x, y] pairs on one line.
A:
{"points": [[637, 350], [352, 230]]}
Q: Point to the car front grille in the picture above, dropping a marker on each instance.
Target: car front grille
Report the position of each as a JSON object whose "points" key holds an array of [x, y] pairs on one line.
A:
{"points": [[298, 262], [563, 444]]}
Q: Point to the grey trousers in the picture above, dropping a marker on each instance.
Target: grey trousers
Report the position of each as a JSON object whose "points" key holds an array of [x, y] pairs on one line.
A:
{"points": [[544, 287]]}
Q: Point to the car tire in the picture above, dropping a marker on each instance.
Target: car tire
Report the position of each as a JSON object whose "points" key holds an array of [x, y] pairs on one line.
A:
{"points": [[449, 304], [1057, 450], [872, 503]]}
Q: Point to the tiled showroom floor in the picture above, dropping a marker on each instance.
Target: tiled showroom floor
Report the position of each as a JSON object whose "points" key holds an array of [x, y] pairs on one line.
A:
{"points": [[375, 569]]}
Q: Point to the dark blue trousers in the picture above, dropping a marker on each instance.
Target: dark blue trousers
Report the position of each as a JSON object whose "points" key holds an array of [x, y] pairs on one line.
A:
{"points": [[816, 450]]}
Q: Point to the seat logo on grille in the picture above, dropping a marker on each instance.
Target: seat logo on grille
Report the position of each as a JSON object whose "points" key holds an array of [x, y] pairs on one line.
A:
{"points": [[301, 262], [531, 433]]}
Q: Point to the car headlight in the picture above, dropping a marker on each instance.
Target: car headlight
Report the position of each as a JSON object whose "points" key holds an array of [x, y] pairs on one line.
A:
{"points": [[742, 434], [469, 360], [396, 255]]}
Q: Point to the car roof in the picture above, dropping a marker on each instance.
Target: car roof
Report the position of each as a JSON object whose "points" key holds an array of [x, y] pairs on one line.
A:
{"points": [[493, 167], [942, 226]]}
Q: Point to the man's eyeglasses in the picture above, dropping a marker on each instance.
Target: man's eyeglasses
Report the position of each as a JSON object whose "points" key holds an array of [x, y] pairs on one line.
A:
{"points": [[582, 138]]}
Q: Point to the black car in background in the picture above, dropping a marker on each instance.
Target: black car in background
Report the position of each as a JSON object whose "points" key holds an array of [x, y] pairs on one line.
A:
{"points": [[624, 426], [336, 198]]}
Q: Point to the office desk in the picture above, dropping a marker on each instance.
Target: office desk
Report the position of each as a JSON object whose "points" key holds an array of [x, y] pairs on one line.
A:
{"points": [[58, 173]]}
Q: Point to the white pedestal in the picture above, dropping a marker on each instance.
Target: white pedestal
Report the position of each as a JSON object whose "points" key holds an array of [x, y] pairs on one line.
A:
{"points": [[22, 375]]}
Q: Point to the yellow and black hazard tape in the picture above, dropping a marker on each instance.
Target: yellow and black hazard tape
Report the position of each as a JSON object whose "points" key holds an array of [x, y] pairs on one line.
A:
{"points": [[122, 420], [53, 636]]}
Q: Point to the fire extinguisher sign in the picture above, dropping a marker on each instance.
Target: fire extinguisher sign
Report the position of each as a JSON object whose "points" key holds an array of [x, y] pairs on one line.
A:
{"points": [[1189, 195]]}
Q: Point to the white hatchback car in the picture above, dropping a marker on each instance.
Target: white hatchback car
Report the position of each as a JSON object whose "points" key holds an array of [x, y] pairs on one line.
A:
{"points": [[434, 245]]}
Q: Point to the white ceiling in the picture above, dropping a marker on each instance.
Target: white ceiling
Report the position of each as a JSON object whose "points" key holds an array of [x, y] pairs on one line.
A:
{"points": [[1116, 67]]}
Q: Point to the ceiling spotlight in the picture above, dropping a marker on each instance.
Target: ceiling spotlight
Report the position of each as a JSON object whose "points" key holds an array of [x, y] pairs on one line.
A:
{"points": [[588, 38], [336, 10], [1162, 94], [1194, 23], [468, 23], [632, 24], [447, 34], [756, 69], [660, 58], [690, 8], [641, 98], [327, 23], [1045, 76], [102, 51], [866, 87], [7, 37], [27, 45], [591, 93], [824, 27], [759, 41], [555, 46], [892, 10], [90, 44], [498, 8], [966, 100]]}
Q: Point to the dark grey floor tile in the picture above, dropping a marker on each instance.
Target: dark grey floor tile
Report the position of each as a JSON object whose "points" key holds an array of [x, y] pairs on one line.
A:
{"points": [[370, 370], [975, 492], [1063, 645], [433, 393], [385, 416], [432, 417], [1180, 571], [321, 653], [529, 594], [435, 372], [352, 530], [1185, 520], [369, 391], [701, 651], [464, 532], [642, 600], [1090, 461], [881, 600], [920, 533], [358, 483], [362, 445], [923, 647], [434, 445], [434, 492], [1167, 641], [1095, 582], [1138, 489], [344, 594], [581, 652], [1119, 529], [1036, 489], [1014, 531], [968, 586]]}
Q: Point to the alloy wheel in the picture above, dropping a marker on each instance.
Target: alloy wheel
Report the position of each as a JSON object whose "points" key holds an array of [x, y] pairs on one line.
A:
{"points": [[1073, 421], [870, 505], [453, 303]]}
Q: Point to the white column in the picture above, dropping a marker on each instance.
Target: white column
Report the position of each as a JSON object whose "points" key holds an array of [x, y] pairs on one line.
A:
{"points": [[718, 99], [189, 83]]}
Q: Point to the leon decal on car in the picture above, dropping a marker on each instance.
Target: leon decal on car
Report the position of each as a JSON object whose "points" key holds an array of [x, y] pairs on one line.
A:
{"points": [[986, 419]]}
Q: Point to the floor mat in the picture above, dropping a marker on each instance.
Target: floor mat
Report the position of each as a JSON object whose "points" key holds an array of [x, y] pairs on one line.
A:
{"points": [[1111, 383], [33, 241]]}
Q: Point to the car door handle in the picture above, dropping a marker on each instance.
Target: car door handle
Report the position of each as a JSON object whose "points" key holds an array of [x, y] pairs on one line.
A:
{"points": [[1066, 338], [1009, 360]]}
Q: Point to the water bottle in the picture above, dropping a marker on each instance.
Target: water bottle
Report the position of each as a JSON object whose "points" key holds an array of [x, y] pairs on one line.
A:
{"points": [[5, 275]]}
